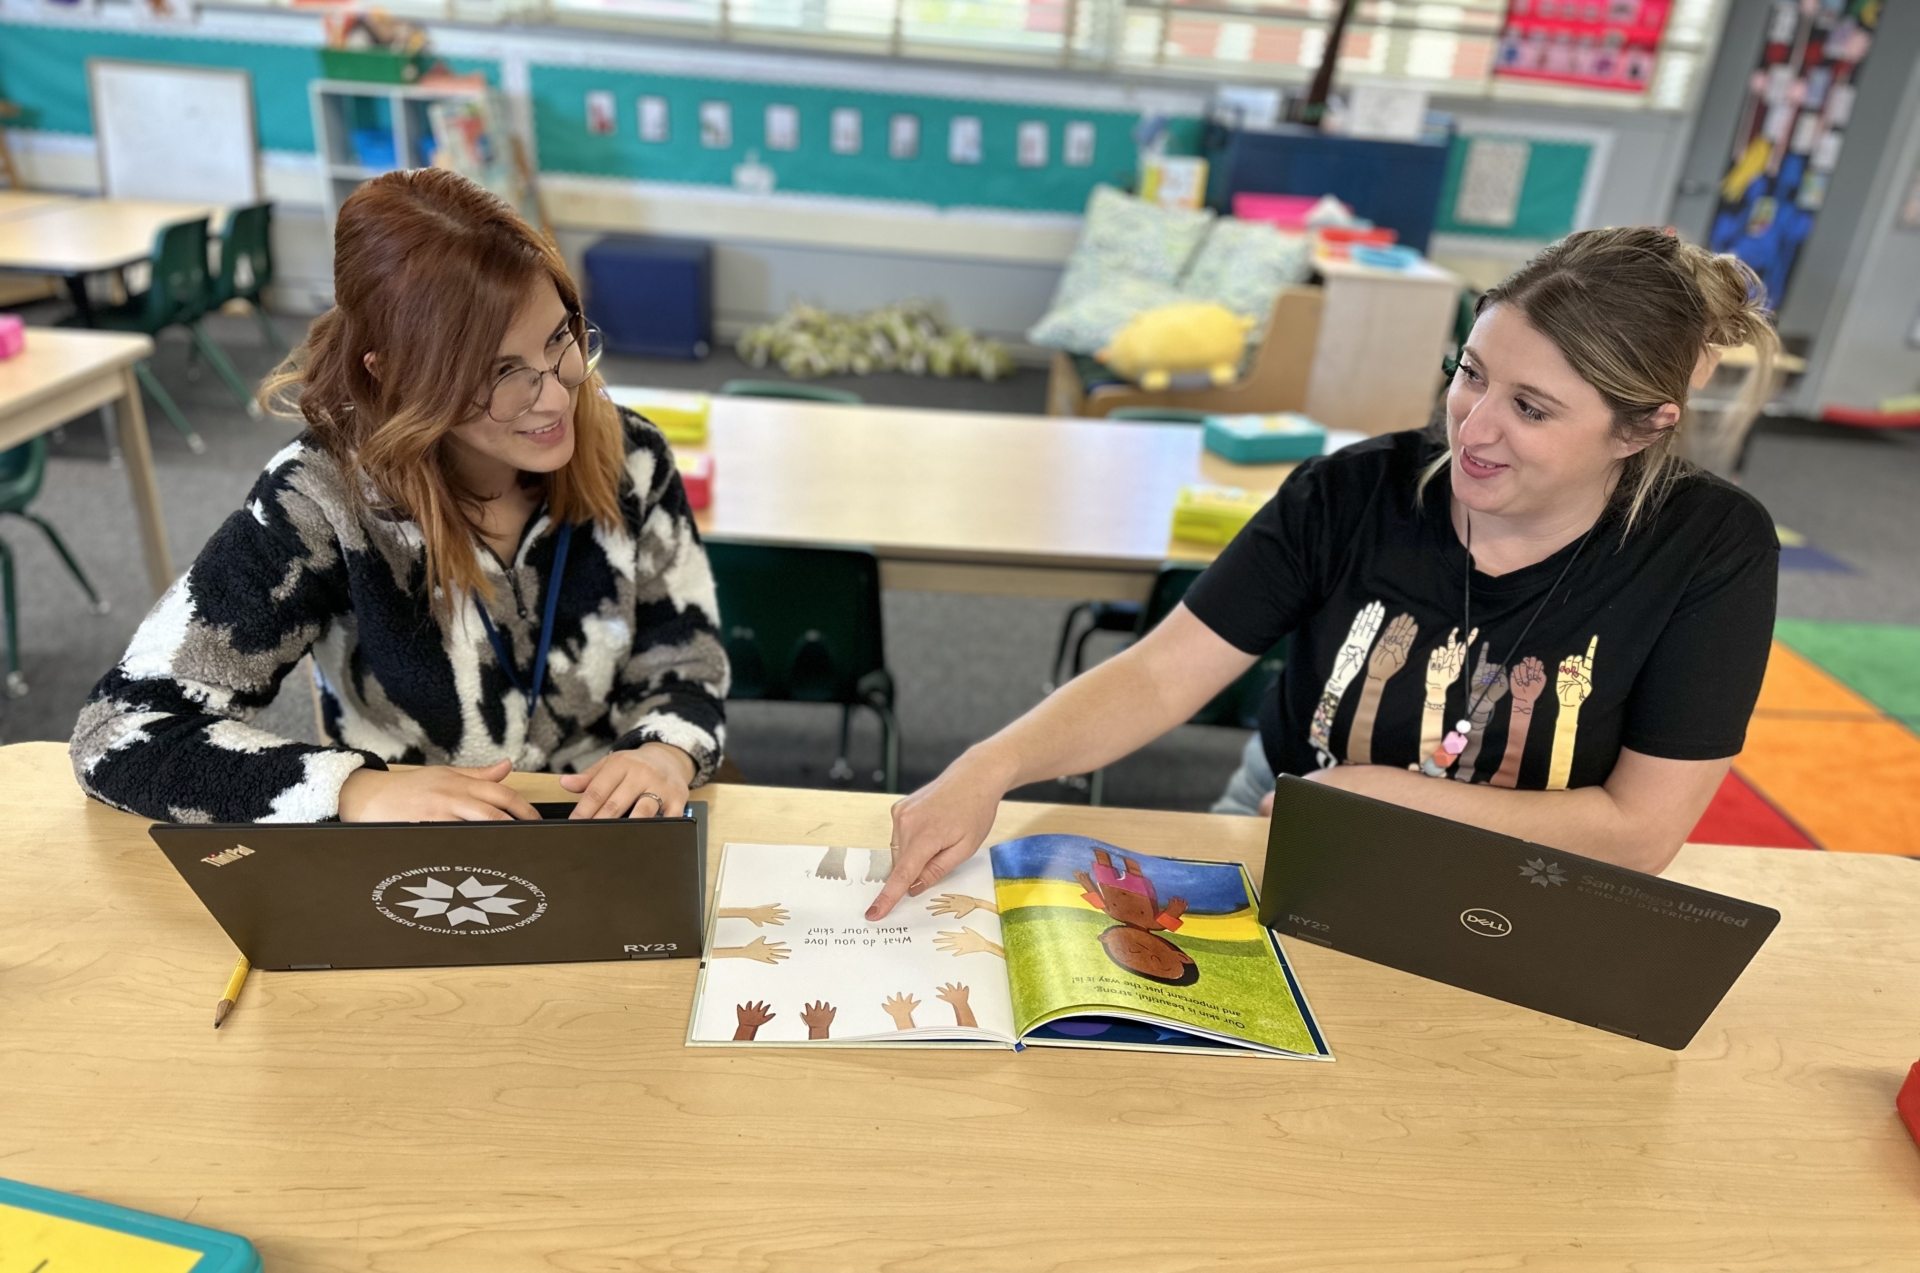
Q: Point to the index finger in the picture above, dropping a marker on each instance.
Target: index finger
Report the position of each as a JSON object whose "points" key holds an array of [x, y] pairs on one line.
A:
{"points": [[908, 862], [1593, 645]]}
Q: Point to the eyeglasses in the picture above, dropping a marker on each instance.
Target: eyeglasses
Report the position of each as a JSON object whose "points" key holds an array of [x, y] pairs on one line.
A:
{"points": [[515, 392]]}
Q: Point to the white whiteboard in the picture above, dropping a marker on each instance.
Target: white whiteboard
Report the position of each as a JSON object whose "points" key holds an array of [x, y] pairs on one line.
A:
{"points": [[174, 132]]}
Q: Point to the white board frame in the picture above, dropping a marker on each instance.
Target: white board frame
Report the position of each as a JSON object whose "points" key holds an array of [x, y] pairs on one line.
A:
{"points": [[197, 146]]}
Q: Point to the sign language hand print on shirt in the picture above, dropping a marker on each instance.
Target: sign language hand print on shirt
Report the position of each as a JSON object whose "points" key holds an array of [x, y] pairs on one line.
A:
{"points": [[1346, 666], [1528, 682], [1487, 687], [1573, 685], [1443, 669], [1389, 657]]}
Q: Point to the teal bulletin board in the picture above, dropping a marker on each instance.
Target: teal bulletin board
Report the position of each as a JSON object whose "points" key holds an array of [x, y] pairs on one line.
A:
{"points": [[44, 71], [1549, 195], [998, 180]]}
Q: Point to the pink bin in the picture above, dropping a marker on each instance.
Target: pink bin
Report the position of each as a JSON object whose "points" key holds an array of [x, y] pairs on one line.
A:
{"points": [[1288, 211]]}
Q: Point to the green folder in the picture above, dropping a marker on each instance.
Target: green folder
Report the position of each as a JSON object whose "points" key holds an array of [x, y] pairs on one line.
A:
{"points": [[46, 1232]]}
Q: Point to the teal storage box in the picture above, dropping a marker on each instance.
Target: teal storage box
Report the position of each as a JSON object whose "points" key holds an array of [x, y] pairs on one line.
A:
{"points": [[1280, 438], [41, 1228]]}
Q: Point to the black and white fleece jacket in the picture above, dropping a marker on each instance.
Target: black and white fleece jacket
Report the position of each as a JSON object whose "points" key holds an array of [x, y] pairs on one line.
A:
{"points": [[636, 652]]}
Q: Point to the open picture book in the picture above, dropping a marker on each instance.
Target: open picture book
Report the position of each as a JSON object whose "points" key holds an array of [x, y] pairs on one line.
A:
{"points": [[1049, 939]]}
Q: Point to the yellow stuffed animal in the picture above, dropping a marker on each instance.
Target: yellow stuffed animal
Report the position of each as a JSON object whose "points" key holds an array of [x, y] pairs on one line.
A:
{"points": [[1184, 337]]}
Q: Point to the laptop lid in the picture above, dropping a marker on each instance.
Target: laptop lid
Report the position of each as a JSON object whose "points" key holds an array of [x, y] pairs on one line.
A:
{"points": [[1553, 931], [411, 895]]}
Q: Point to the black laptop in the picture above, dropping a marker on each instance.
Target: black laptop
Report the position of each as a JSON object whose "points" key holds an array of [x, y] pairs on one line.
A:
{"points": [[1594, 943], [435, 894]]}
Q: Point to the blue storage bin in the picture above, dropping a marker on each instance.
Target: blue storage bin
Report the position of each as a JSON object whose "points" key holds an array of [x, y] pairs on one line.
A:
{"points": [[374, 148], [652, 295]]}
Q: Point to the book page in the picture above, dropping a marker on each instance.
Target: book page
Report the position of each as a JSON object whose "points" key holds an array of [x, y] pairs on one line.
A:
{"points": [[1094, 929], [792, 959]]}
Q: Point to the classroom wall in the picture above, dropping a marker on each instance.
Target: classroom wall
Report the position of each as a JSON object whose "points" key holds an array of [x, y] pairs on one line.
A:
{"points": [[842, 231]]}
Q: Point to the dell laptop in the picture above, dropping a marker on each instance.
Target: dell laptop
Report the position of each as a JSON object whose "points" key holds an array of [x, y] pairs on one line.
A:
{"points": [[435, 894], [1562, 934]]}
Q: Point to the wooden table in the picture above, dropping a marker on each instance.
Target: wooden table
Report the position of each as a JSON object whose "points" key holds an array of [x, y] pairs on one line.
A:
{"points": [[78, 237], [962, 501], [15, 203], [549, 1118], [64, 374]]}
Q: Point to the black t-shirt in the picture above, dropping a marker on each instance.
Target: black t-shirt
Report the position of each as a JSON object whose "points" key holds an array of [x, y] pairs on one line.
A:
{"points": [[1657, 644]]}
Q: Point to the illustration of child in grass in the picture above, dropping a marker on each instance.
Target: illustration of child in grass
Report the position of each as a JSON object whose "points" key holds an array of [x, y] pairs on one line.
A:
{"points": [[1135, 943]]}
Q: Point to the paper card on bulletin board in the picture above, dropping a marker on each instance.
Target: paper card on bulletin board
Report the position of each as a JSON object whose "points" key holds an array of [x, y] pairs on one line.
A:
{"points": [[1551, 184], [907, 152]]}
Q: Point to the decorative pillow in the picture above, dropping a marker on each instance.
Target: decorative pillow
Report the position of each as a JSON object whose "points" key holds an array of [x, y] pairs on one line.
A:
{"points": [[1087, 324], [1244, 264], [1129, 257]]}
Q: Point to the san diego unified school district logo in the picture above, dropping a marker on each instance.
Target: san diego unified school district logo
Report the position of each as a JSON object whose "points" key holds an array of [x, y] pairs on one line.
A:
{"points": [[464, 901]]}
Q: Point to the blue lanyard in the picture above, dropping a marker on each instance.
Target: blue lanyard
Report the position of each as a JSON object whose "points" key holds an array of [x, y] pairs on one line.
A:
{"points": [[552, 605]]}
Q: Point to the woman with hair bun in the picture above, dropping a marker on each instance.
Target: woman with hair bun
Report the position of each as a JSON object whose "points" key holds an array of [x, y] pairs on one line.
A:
{"points": [[493, 567], [1539, 619]]}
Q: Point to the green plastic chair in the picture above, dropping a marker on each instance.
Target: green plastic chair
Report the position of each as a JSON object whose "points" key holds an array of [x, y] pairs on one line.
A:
{"points": [[802, 625], [1238, 705], [246, 265], [176, 297], [22, 470], [789, 389]]}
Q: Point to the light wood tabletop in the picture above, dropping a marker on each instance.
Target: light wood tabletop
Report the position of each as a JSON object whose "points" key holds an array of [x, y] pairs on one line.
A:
{"points": [[961, 501], [550, 1118], [86, 236], [16, 202], [63, 374]]}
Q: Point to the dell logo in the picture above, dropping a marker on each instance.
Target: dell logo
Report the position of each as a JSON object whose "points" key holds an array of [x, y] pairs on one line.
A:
{"points": [[228, 857], [1482, 922]]}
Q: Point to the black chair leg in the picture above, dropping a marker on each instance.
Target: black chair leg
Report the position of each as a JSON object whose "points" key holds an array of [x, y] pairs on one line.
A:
{"points": [[16, 685], [889, 774], [842, 769], [73, 567], [1054, 678]]}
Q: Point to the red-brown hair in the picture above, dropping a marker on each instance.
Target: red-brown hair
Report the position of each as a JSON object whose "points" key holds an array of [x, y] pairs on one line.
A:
{"points": [[429, 271]]}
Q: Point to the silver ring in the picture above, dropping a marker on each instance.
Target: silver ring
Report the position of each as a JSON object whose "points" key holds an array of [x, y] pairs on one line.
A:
{"points": [[655, 796]]}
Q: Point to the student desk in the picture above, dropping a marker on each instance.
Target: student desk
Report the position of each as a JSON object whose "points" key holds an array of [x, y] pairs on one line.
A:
{"points": [[78, 237], [965, 502], [64, 374], [549, 1117], [15, 203]]}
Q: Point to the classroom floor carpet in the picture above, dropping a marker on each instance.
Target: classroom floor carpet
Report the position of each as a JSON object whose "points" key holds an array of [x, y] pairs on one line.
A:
{"points": [[1833, 753]]}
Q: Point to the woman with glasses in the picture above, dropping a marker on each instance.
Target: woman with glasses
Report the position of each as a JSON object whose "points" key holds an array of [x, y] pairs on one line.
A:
{"points": [[493, 567]]}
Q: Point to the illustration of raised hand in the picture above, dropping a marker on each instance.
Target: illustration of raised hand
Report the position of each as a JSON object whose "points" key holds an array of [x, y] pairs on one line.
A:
{"points": [[750, 1016], [1575, 681], [1353, 654], [833, 865], [879, 865], [967, 941], [817, 1017], [1528, 681], [1489, 686], [758, 916], [900, 1007], [957, 996], [959, 905], [760, 950], [1444, 664], [1396, 643]]}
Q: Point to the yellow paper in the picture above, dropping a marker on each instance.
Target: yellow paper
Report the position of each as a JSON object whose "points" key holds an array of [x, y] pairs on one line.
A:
{"points": [[33, 1240]]}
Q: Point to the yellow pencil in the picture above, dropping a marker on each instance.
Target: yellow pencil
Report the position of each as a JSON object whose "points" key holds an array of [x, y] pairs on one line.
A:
{"points": [[234, 983]]}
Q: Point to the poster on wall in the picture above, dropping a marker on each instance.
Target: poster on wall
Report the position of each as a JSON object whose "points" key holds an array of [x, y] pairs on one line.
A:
{"points": [[1590, 43], [1791, 128]]}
